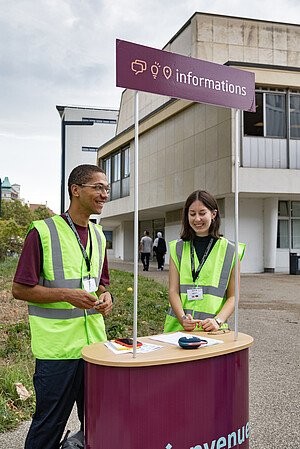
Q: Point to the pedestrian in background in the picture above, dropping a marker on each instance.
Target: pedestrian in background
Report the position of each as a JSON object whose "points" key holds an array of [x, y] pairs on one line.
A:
{"points": [[160, 249], [145, 250]]}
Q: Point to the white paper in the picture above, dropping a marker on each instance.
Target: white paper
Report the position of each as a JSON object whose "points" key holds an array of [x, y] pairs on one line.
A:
{"points": [[173, 338], [119, 349]]}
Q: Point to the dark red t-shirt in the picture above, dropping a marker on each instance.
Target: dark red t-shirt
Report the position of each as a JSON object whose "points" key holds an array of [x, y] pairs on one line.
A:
{"points": [[31, 260]]}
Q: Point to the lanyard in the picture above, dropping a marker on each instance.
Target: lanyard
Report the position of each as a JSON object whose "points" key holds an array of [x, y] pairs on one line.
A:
{"points": [[196, 274], [86, 257]]}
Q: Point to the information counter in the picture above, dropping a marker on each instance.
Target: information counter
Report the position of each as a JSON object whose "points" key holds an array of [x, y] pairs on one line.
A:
{"points": [[171, 398]]}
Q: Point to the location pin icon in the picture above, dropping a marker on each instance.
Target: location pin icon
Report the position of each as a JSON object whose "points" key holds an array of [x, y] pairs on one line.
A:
{"points": [[167, 71]]}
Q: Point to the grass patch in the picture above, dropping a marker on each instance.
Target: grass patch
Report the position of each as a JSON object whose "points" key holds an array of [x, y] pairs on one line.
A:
{"points": [[17, 361]]}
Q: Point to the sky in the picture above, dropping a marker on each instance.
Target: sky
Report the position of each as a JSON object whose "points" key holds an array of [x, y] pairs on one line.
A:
{"points": [[62, 52]]}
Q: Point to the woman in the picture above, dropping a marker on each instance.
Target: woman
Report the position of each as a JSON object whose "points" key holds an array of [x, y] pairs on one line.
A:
{"points": [[201, 269], [160, 249]]}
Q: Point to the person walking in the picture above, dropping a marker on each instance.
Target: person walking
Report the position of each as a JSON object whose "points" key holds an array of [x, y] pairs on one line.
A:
{"points": [[145, 250], [160, 249], [201, 270], [63, 274]]}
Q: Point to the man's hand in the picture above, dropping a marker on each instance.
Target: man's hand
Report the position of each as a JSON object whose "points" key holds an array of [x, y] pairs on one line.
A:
{"points": [[104, 303], [81, 299]]}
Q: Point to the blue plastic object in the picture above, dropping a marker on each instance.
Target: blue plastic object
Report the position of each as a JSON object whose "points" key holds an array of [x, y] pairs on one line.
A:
{"points": [[191, 342]]}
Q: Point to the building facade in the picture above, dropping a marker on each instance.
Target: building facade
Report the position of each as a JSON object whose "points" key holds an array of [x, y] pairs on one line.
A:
{"points": [[9, 192], [83, 130], [184, 146]]}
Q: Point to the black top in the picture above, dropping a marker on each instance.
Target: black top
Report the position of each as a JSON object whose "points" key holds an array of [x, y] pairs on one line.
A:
{"points": [[200, 244]]}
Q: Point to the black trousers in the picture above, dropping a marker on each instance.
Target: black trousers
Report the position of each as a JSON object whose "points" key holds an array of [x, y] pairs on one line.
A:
{"points": [[58, 385], [145, 260], [160, 260]]}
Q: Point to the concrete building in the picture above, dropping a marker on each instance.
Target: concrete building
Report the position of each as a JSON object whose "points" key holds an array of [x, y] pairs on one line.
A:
{"points": [[80, 140], [184, 146]]}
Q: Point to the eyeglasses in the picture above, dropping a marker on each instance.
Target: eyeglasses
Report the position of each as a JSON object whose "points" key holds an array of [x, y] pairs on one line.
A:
{"points": [[99, 188]]}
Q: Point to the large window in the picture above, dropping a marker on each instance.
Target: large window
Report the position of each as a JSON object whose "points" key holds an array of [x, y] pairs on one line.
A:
{"points": [[271, 118], [117, 169], [288, 232]]}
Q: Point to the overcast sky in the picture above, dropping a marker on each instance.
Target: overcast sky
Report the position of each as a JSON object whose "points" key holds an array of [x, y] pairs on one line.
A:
{"points": [[63, 52]]}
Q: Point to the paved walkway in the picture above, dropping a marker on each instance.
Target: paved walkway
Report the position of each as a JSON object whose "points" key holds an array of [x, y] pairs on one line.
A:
{"points": [[269, 311]]}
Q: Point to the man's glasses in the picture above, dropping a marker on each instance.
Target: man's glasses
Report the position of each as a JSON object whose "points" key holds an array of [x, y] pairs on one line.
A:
{"points": [[99, 188]]}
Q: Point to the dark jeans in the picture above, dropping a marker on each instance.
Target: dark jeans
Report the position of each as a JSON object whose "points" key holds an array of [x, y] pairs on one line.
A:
{"points": [[145, 260], [160, 260], [58, 385]]}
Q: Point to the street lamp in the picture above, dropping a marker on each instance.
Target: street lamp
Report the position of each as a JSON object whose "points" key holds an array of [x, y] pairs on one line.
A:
{"points": [[65, 123]]}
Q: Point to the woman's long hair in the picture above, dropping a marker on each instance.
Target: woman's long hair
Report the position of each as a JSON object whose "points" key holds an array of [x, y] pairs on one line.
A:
{"points": [[187, 233]]}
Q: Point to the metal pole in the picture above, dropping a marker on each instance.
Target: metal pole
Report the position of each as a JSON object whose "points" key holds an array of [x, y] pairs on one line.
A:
{"points": [[63, 166], [136, 217], [236, 223]]}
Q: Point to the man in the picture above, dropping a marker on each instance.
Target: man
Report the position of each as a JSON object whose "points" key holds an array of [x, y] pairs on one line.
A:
{"points": [[145, 250], [62, 273]]}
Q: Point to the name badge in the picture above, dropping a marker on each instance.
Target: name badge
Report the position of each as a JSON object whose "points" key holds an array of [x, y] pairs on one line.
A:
{"points": [[195, 294], [89, 285]]}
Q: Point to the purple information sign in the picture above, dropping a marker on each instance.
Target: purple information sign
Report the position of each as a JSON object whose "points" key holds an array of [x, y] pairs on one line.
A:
{"points": [[161, 72]]}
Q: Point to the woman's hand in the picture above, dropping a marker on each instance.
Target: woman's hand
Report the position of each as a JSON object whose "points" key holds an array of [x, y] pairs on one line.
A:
{"points": [[188, 323], [209, 324]]}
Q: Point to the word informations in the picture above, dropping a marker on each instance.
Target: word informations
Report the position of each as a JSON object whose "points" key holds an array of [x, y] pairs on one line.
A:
{"points": [[150, 70]]}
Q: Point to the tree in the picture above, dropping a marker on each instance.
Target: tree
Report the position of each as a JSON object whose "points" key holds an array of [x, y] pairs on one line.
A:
{"points": [[12, 236], [41, 212], [15, 210]]}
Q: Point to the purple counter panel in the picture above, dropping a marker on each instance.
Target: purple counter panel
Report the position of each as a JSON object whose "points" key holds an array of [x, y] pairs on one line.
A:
{"points": [[203, 404]]}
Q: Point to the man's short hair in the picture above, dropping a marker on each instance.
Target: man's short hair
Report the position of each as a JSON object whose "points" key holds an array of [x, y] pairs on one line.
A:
{"points": [[82, 175]]}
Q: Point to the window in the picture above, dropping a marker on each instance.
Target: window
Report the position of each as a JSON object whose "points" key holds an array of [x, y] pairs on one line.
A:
{"points": [[109, 239], [117, 169], [271, 118], [288, 231], [295, 116]]}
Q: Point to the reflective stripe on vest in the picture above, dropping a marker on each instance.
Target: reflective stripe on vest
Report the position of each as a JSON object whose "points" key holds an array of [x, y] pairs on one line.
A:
{"points": [[59, 314], [210, 289]]}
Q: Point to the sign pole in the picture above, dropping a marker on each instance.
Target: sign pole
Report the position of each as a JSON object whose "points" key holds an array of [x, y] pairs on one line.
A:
{"points": [[136, 217], [236, 222]]}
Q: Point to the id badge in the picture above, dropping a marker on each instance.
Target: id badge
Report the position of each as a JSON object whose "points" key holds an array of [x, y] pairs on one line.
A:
{"points": [[89, 285], [195, 294]]}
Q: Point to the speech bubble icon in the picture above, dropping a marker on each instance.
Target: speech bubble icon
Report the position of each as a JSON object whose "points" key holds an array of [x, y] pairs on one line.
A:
{"points": [[167, 71], [138, 66]]}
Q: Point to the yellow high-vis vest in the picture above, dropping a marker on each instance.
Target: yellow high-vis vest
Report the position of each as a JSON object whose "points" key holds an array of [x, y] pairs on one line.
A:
{"points": [[213, 279], [59, 330]]}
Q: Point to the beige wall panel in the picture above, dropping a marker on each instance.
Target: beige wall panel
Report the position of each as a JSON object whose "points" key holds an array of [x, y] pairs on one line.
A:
{"points": [[293, 58], [204, 28], [199, 117], [211, 116], [265, 56], [200, 178], [170, 160], [170, 189], [161, 163], [178, 156], [280, 37], [200, 145], [170, 131], [212, 177], [205, 51], [236, 53], [251, 54], [265, 35], [224, 139], [224, 176], [161, 192], [250, 34], [280, 57], [189, 153], [220, 30], [211, 144], [235, 32], [188, 182], [293, 38], [220, 53], [189, 122]]}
